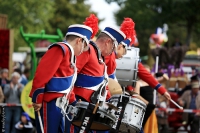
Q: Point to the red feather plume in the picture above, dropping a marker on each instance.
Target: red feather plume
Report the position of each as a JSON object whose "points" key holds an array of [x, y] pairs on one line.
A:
{"points": [[127, 27], [92, 22]]}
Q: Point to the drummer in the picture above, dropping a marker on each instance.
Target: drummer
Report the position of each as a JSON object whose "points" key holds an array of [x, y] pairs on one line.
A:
{"points": [[142, 72], [127, 27], [54, 75], [91, 68]]}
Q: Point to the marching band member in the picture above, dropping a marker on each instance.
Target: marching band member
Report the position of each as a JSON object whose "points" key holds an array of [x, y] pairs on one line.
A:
{"points": [[91, 70], [142, 72], [55, 75], [127, 27]]}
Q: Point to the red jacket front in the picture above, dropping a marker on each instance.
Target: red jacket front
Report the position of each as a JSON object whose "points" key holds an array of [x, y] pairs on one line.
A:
{"points": [[90, 74]]}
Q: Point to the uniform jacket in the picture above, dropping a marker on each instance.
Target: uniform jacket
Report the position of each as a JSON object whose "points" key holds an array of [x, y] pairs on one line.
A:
{"points": [[53, 75], [90, 73]]}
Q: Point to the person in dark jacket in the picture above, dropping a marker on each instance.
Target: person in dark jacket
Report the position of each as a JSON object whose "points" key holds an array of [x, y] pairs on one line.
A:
{"points": [[194, 78]]}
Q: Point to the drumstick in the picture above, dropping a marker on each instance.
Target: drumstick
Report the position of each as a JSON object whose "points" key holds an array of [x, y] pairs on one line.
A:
{"points": [[176, 104], [95, 108], [40, 120]]}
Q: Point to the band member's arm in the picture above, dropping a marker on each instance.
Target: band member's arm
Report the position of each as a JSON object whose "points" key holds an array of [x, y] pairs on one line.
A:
{"points": [[148, 78], [81, 60], [45, 71]]}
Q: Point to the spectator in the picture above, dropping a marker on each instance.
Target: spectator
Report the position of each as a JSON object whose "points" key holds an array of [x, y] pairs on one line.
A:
{"points": [[189, 87], [23, 80], [4, 78], [24, 125], [1, 95], [26, 74], [191, 100], [12, 94], [1, 101]]}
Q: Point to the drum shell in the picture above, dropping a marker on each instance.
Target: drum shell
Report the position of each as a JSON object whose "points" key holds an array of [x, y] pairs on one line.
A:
{"points": [[127, 67], [134, 113], [99, 123]]}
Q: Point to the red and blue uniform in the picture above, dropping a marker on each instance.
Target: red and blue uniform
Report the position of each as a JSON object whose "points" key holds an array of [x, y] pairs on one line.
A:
{"points": [[90, 74], [52, 79]]}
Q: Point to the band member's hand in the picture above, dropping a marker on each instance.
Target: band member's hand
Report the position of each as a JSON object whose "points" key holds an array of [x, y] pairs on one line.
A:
{"points": [[37, 106], [167, 95]]}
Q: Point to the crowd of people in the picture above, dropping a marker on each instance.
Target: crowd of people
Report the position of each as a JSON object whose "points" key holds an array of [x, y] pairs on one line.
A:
{"points": [[10, 93]]}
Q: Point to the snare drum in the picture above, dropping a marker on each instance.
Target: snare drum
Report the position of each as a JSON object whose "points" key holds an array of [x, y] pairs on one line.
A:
{"points": [[127, 67], [133, 113], [103, 119]]}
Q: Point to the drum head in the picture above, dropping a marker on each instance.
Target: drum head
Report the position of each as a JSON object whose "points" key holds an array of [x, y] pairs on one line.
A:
{"points": [[114, 87]]}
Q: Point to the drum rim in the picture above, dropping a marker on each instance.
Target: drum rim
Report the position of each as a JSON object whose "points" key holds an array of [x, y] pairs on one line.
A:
{"points": [[108, 115]]}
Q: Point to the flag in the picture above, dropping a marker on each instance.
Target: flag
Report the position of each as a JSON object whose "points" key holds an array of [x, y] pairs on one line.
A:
{"points": [[151, 125]]}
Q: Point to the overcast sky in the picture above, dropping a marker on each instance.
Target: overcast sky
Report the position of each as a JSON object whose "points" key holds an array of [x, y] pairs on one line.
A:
{"points": [[105, 11]]}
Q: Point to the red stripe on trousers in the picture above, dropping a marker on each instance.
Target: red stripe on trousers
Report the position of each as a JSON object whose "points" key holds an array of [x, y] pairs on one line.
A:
{"points": [[45, 116]]}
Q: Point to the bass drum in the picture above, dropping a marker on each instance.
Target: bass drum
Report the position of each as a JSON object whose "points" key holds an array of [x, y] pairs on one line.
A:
{"points": [[127, 67]]}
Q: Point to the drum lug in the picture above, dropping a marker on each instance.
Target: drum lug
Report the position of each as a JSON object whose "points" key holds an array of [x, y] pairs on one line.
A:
{"points": [[124, 117], [72, 110], [102, 115]]}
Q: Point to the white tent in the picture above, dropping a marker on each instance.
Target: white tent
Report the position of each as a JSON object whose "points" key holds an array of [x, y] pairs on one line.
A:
{"points": [[19, 56]]}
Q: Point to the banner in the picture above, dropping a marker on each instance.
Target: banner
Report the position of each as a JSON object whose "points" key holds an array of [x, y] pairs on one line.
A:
{"points": [[4, 48]]}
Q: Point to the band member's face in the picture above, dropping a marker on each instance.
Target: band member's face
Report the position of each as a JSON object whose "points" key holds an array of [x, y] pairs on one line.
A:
{"points": [[111, 46], [121, 51], [80, 46]]}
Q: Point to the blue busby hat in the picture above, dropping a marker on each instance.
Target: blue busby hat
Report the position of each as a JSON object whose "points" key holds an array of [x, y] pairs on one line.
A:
{"points": [[126, 42], [116, 35], [80, 30]]}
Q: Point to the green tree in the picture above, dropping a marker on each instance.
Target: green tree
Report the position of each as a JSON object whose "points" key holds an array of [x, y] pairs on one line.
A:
{"points": [[182, 17], [33, 15], [46, 15], [69, 12]]}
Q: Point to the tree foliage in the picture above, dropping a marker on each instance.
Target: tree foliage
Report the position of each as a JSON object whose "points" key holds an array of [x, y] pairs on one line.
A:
{"points": [[69, 12], [46, 15], [182, 17]]}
